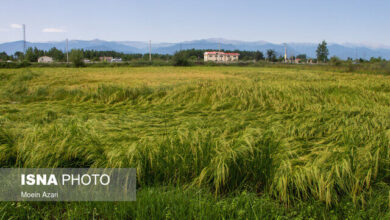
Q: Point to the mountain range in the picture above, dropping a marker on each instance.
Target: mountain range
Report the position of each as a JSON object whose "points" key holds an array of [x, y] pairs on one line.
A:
{"points": [[341, 50]]}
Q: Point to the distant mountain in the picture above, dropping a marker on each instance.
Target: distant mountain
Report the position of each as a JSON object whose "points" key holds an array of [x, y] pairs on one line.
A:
{"points": [[12, 47], [341, 50]]}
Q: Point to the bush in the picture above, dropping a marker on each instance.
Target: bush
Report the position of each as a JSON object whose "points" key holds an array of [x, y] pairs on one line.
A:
{"points": [[335, 61], [76, 57], [179, 59], [14, 64]]}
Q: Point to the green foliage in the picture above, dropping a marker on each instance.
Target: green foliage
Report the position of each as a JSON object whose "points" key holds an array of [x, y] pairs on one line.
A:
{"points": [[19, 55], [188, 203], [181, 59], [303, 57], [271, 55], [56, 54], [4, 57], [259, 56], [335, 61], [377, 60], [32, 54], [24, 63], [76, 57], [322, 52]]}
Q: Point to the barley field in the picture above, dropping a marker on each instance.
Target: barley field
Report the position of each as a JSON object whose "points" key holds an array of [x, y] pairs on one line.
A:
{"points": [[207, 142]]}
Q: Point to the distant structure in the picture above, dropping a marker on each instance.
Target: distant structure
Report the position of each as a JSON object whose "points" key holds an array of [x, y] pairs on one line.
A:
{"points": [[107, 59], [285, 53], [110, 59], [220, 56], [86, 61], [116, 60], [45, 59]]}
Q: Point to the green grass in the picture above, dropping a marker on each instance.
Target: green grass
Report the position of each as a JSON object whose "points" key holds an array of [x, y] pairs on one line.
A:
{"points": [[261, 142]]}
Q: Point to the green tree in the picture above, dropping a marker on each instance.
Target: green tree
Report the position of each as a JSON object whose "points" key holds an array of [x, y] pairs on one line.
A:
{"points": [[303, 57], [56, 54], [76, 57], [19, 55], [4, 56], [271, 55], [31, 55], [259, 56], [322, 52], [335, 61], [181, 59], [376, 60]]}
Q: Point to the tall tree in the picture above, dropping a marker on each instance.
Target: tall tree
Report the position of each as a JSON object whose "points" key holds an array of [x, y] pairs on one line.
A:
{"points": [[56, 54], [77, 56], [322, 52], [259, 56], [30, 55], [4, 56], [271, 55], [19, 55]]}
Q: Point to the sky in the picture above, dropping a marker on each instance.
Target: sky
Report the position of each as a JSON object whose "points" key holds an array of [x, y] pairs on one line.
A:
{"points": [[338, 21]]}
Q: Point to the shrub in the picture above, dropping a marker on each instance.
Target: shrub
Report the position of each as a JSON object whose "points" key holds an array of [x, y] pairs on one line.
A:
{"points": [[179, 59], [335, 61], [76, 57]]}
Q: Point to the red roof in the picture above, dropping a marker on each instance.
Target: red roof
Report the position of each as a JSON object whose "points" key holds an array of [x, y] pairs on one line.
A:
{"points": [[215, 52]]}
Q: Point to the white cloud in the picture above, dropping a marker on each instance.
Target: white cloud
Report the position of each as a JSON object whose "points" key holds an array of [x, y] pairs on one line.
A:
{"points": [[16, 26], [53, 30]]}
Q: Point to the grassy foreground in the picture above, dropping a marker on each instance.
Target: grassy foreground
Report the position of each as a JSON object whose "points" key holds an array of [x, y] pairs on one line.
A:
{"points": [[207, 142]]}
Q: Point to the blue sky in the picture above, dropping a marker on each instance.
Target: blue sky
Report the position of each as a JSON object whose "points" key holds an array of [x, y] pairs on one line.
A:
{"points": [[341, 21]]}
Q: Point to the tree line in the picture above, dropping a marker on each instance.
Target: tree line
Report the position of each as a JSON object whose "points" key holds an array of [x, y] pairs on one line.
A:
{"points": [[181, 57]]}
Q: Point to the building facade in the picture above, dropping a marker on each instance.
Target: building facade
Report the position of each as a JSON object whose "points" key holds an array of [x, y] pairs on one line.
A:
{"points": [[220, 56], [45, 59], [116, 60], [106, 59]]}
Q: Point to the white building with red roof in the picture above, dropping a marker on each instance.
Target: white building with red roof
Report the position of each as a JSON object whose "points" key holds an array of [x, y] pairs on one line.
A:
{"points": [[220, 56]]}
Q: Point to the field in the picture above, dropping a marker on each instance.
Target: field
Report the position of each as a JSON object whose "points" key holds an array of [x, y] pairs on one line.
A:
{"points": [[207, 142]]}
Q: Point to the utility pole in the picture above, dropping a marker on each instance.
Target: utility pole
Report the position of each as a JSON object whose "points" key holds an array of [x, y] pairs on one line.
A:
{"points": [[67, 51], [150, 51], [24, 39], [285, 53]]}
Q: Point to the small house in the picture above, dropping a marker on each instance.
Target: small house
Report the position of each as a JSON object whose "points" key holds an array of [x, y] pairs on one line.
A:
{"points": [[220, 56], [116, 60], [45, 59], [105, 59]]}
